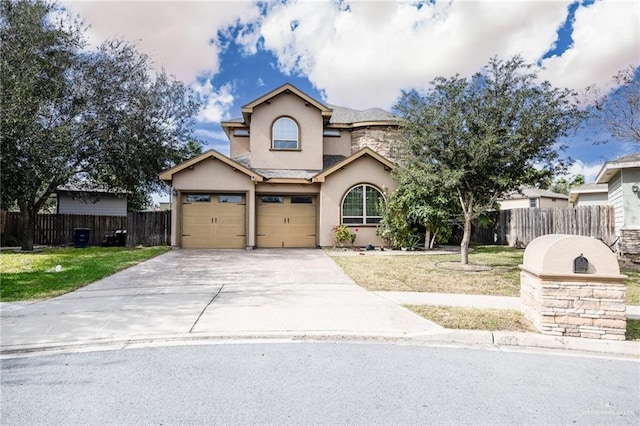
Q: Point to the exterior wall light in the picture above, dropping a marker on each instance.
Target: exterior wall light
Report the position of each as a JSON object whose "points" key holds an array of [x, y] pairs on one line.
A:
{"points": [[635, 188]]}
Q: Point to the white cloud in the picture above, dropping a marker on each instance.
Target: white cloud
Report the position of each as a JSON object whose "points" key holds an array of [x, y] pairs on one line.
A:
{"points": [[366, 55], [211, 134], [216, 103], [589, 171], [606, 39], [176, 34]]}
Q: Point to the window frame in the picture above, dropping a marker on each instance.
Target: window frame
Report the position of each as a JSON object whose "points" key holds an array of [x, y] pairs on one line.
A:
{"points": [[273, 135], [365, 218]]}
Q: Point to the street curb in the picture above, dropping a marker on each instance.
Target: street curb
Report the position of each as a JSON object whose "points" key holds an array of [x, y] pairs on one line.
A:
{"points": [[472, 338]]}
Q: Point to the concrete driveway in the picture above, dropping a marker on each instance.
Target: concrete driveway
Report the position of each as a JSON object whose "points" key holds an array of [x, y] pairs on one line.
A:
{"points": [[198, 293]]}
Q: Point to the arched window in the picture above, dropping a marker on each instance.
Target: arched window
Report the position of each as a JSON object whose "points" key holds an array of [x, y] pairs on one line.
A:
{"points": [[361, 205], [284, 134]]}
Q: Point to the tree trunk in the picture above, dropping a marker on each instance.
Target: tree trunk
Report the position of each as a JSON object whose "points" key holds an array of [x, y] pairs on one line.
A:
{"points": [[427, 239], [28, 217], [466, 239]]}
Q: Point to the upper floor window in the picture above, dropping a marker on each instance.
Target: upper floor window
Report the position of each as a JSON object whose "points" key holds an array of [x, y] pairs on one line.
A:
{"points": [[362, 205], [285, 134]]}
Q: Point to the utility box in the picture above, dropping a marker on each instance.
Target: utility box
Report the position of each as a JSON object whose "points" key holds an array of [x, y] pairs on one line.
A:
{"points": [[570, 285], [81, 237]]}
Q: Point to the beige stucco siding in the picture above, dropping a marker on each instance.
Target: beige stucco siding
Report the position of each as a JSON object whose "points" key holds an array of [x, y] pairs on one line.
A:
{"points": [[518, 203], [238, 145], [553, 203], [212, 176], [338, 145], [309, 120], [363, 170]]}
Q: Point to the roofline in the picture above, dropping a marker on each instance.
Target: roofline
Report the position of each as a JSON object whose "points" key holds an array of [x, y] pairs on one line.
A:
{"points": [[248, 108], [320, 177], [167, 175], [363, 124], [610, 169], [288, 180]]}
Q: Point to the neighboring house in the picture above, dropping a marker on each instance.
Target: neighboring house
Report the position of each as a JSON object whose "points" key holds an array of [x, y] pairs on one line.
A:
{"points": [[592, 194], [529, 197], [622, 177], [88, 200], [297, 168]]}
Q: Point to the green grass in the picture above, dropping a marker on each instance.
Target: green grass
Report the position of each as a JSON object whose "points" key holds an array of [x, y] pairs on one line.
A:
{"points": [[473, 318], [633, 285], [27, 276], [633, 329], [422, 273]]}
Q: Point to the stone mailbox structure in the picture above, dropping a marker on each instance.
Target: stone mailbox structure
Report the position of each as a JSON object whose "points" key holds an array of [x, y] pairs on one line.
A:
{"points": [[571, 285]]}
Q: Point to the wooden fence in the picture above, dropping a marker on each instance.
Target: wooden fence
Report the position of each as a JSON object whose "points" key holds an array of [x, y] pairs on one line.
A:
{"points": [[143, 228], [518, 227]]}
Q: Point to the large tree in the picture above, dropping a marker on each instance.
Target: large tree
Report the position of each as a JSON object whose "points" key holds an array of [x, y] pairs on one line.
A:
{"points": [[619, 111], [487, 135], [72, 115]]}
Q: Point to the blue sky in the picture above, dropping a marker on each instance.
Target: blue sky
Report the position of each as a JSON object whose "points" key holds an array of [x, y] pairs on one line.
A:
{"points": [[362, 54]]}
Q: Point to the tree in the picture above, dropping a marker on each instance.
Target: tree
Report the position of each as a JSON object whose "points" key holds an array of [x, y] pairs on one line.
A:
{"points": [[482, 137], [619, 111], [75, 116], [563, 186], [415, 211]]}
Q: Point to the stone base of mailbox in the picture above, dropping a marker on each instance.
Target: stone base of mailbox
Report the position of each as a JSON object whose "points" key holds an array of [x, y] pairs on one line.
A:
{"points": [[562, 306], [570, 285]]}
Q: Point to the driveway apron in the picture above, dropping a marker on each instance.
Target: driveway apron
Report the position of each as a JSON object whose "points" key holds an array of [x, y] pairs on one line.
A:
{"points": [[213, 292]]}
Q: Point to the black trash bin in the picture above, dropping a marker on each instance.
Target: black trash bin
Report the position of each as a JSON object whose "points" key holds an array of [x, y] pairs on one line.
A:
{"points": [[121, 237], [81, 237]]}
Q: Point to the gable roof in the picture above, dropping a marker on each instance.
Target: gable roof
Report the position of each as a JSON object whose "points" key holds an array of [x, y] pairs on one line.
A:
{"points": [[611, 168], [343, 115], [167, 175], [247, 110], [531, 192], [320, 177]]}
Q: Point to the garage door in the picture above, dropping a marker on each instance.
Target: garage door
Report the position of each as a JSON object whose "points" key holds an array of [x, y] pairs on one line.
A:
{"points": [[286, 221], [213, 221]]}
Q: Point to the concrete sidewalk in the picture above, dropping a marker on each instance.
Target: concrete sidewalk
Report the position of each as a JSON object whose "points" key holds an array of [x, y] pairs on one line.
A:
{"points": [[468, 300], [205, 296]]}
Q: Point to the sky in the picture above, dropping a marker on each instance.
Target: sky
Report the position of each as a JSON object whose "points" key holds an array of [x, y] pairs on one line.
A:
{"points": [[363, 54]]}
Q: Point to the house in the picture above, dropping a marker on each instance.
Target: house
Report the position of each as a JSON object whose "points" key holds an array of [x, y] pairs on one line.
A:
{"points": [[297, 168], [529, 197], [90, 200], [592, 194], [622, 177]]}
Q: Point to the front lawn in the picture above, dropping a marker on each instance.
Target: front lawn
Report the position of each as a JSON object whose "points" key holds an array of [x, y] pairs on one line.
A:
{"points": [[457, 317], [422, 273], [429, 273], [26, 276]]}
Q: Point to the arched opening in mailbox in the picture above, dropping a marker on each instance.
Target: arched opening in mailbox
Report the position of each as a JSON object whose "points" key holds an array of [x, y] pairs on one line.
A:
{"points": [[580, 265]]}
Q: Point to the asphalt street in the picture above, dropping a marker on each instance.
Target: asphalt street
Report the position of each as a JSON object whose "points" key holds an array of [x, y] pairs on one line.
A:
{"points": [[318, 383]]}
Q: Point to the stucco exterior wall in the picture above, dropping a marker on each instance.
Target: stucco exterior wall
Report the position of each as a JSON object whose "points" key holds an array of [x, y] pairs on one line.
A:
{"points": [[211, 176], [518, 203], [549, 203], [281, 188], [309, 120], [338, 145], [238, 145], [363, 170], [592, 199]]}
